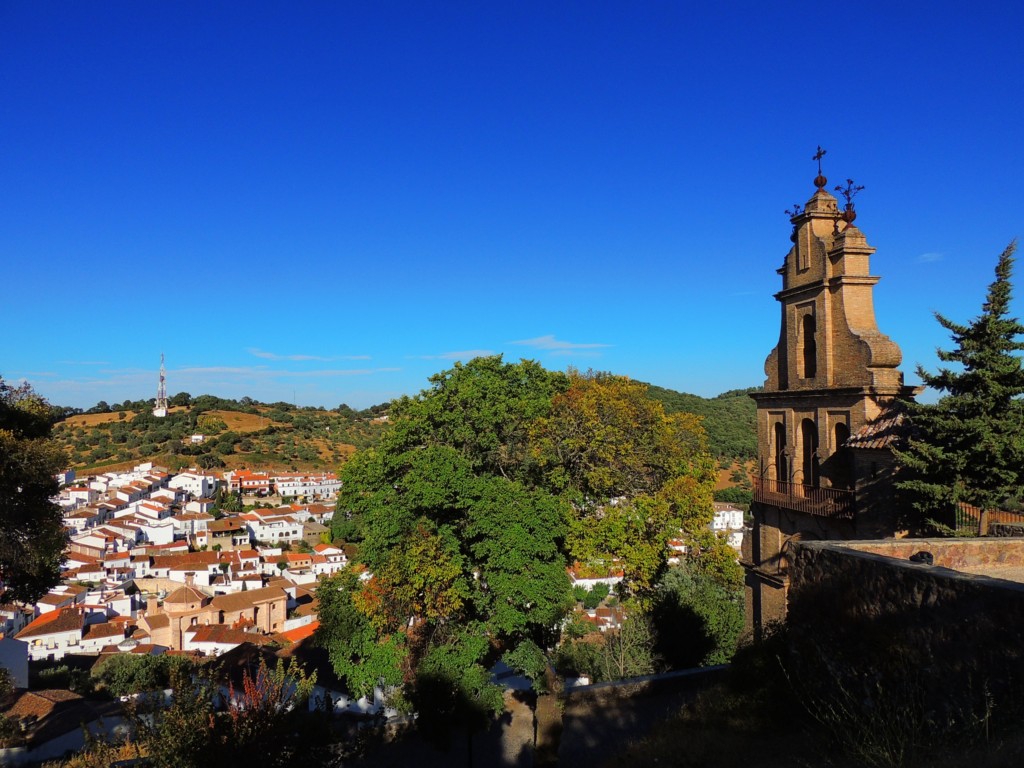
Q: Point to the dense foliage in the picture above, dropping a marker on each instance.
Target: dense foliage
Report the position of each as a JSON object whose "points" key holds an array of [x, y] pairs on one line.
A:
{"points": [[487, 486], [615, 654], [699, 613], [969, 446], [31, 526]]}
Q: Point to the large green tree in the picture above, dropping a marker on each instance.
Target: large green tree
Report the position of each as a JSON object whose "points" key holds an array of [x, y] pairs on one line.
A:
{"points": [[969, 446], [32, 535], [488, 484]]}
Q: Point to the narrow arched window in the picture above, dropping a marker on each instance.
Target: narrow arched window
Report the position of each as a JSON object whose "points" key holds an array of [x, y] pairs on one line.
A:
{"points": [[810, 347], [781, 470], [841, 471], [809, 439]]}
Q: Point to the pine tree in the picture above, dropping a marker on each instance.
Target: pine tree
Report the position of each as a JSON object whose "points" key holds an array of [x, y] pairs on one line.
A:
{"points": [[969, 446]]}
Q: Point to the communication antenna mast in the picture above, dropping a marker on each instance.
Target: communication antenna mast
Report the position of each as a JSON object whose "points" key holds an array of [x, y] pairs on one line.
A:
{"points": [[161, 391]]}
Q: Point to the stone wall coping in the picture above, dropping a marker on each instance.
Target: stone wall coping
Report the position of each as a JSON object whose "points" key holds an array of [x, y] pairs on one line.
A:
{"points": [[973, 541], [694, 673]]}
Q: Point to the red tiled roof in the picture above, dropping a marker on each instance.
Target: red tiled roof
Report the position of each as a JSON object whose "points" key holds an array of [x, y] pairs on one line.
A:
{"points": [[238, 601], [39, 703], [52, 599], [200, 560], [225, 524], [107, 629], [65, 620], [156, 621]]}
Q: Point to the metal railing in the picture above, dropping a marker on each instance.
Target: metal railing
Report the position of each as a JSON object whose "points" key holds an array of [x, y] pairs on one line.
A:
{"points": [[823, 502], [970, 520]]}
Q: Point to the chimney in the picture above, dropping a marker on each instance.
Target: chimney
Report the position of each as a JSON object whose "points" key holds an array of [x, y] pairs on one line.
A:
{"points": [[190, 579]]}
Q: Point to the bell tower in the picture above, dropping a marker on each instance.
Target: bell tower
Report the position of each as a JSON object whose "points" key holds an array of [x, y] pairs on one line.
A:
{"points": [[831, 375]]}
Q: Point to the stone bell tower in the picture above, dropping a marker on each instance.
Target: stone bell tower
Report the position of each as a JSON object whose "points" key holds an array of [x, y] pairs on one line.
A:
{"points": [[832, 376]]}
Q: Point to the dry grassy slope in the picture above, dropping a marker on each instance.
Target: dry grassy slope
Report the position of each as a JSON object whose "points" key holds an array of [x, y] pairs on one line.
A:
{"points": [[725, 480], [236, 421], [243, 422], [95, 419]]}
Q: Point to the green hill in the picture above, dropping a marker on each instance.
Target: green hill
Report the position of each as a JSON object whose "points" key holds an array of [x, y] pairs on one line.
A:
{"points": [[730, 418]]}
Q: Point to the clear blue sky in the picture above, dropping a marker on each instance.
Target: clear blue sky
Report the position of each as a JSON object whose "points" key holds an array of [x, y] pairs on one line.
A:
{"points": [[329, 202]]}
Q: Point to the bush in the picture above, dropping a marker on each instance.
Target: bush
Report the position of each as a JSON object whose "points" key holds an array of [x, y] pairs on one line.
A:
{"points": [[740, 496], [594, 597], [699, 619], [125, 674]]}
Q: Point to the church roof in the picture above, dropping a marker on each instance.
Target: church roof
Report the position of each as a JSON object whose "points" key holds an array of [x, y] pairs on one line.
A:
{"points": [[185, 595]]}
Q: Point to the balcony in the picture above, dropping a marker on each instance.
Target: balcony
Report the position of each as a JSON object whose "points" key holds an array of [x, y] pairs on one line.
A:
{"points": [[822, 502]]}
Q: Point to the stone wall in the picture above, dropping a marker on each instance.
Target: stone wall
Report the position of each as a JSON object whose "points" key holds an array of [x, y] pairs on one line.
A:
{"points": [[946, 645]]}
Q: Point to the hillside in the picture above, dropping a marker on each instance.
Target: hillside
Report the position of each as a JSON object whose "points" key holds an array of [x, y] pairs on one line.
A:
{"points": [[729, 418], [234, 434], [282, 436]]}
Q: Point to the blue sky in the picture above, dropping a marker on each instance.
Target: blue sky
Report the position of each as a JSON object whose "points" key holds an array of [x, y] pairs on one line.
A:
{"points": [[329, 202]]}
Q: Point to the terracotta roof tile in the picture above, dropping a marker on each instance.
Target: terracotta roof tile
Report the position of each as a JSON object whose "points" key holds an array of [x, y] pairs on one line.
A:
{"points": [[157, 621], [185, 595], [107, 629], [199, 560], [64, 620], [887, 430]]}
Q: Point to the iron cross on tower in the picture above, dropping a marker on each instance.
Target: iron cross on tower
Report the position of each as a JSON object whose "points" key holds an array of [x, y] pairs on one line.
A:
{"points": [[818, 155]]}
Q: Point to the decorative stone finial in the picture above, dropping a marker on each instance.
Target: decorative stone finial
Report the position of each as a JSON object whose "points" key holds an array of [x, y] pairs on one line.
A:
{"points": [[849, 192], [820, 181]]}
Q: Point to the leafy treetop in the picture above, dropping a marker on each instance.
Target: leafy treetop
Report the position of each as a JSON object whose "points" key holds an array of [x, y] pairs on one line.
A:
{"points": [[31, 525]]}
